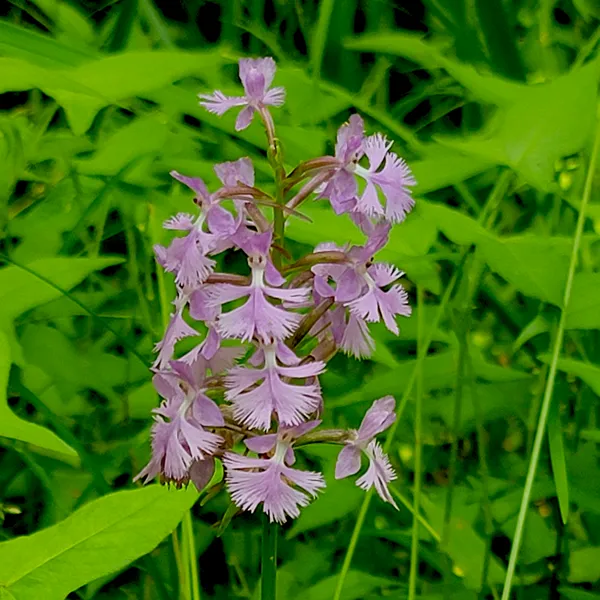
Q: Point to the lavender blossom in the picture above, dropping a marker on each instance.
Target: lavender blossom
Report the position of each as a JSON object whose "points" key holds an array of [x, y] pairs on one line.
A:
{"points": [[254, 405], [272, 481], [256, 75], [379, 473], [257, 316], [179, 438]]}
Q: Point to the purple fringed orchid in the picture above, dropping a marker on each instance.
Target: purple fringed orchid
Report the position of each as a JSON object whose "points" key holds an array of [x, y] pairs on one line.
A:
{"points": [[268, 336], [260, 393], [256, 75], [379, 473], [179, 437], [257, 316], [392, 181], [272, 481], [187, 257]]}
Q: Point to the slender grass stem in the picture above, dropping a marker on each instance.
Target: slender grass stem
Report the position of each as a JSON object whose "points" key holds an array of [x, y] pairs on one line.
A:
{"points": [[269, 560], [547, 398], [414, 546]]}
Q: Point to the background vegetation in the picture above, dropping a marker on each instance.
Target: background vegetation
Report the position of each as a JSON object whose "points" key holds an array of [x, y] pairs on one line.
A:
{"points": [[493, 104]]}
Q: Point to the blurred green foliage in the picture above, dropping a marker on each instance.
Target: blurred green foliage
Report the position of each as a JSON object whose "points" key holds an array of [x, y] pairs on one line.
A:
{"points": [[492, 103]]}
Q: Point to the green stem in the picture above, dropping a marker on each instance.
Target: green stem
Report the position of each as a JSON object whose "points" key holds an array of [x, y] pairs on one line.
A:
{"points": [[558, 341], [414, 546], [269, 560], [188, 536]]}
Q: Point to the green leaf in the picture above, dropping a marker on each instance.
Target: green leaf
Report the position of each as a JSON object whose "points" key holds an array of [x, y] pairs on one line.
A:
{"points": [[22, 290], [584, 565], [587, 372], [536, 266], [584, 308], [342, 497], [465, 547], [102, 537], [15, 428], [358, 585]]}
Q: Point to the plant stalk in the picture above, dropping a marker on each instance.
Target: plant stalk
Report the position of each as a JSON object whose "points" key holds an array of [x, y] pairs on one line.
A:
{"points": [[269, 560]]}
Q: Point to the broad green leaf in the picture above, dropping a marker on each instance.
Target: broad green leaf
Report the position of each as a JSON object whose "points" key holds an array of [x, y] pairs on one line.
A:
{"points": [[125, 145], [577, 594], [105, 535], [456, 226], [73, 368], [15, 428], [22, 290], [82, 91], [441, 169], [465, 547], [357, 585], [548, 122], [587, 372], [342, 496], [537, 124], [536, 266], [485, 86], [584, 308], [584, 565], [42, 50]]}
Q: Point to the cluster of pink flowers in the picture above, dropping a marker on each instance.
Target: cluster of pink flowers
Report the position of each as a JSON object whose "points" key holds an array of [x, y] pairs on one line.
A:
{"points": [[270, 397]]}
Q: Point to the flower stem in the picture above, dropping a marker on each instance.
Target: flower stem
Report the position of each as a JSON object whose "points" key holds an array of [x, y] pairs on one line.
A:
{"points": [[269, 560], [547, 399], [188, 531]]}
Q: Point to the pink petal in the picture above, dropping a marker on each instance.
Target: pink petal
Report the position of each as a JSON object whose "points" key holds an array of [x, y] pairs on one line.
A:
{"points": [[376, 148], [383, 274], [379, 473], [356, 339], [206, 412], [311, 369], [274, 97], [349, 286], [348, 462], [180, 222], [369, 202], [264, 66], [261, 444], [218, 103], [200, 307], [255, 408], [233, 172], [240, 378], [194, 183], [220, 293], [377, 419], [220, 221], [294, 295], [244, 118]]}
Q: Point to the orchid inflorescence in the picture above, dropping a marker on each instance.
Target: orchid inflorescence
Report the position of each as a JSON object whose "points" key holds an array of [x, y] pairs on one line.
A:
{"points": [[271, 398]]}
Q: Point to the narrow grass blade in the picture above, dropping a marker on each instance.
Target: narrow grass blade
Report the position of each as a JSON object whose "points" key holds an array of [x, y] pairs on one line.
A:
{"points": [[547, 399]]}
